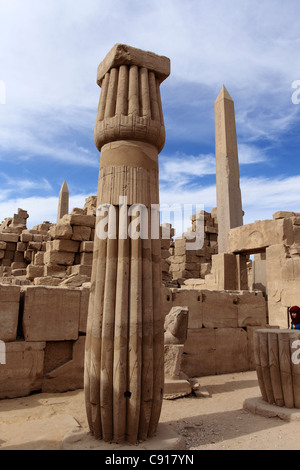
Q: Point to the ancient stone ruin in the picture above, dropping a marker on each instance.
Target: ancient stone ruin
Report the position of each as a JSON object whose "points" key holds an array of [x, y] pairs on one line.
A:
{"points": [[134, 319]]}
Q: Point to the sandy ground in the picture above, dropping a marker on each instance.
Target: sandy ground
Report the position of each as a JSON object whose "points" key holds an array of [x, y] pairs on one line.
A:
{"points": [[217, 421]]}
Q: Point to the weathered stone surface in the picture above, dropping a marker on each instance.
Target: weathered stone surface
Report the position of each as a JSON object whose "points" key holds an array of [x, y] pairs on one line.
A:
{"points": [[23, 371], [51, 313], [69, 246], [9, 237], [69, 374], [176, 323], [199, 352], [34, 271], [252, 309], [9, 312], [80, 219], [61, 231], [59, 257], [81, 232], [229, 201], [260, 235], [173, 358], [63, 201], [231, 350], [84, 307], [122, 54], [83, 270], [87, 246], [220, 309]]}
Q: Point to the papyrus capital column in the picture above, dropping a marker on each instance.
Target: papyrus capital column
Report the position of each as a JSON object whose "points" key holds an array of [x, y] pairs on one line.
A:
{"points": [[130, 103], [124, 359]]}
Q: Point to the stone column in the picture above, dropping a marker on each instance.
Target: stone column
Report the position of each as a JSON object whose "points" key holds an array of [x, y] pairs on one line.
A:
{"points": [[229, 201], [124, 358], [63, 201]]}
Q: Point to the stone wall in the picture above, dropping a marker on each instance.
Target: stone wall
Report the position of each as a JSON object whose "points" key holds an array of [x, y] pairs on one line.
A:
{"points": [[220, 328], [186, 263], [44, 330]]}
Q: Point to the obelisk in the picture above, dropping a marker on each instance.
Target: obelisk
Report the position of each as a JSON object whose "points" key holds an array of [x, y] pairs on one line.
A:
{"points": [[229, 200], [63, 201], [124, 357]]}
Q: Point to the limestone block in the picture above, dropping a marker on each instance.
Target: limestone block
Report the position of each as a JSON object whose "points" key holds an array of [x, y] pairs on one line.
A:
{"points": [[69, 246], [219, 309], [9, 237], [86, 258], [87, 246], [18, 265], [9, 255], [51, 313], [173, 359], [193, 300], [59, 257], [26, 237], [55, 270], [23, 372], [19, 272], [34, 271], [260, 235], [46, 281], [2, 253], [3, 245], [9, 312], [296, 231], [39, 258], [176, 388], [28, 255], [252, 309], [70, 374], [231, 350], [79, 220], [199, 352], [84, 307], [19, 257], [81, 233], [61, 230], [83, 270], [283, 214], [224, 267]]}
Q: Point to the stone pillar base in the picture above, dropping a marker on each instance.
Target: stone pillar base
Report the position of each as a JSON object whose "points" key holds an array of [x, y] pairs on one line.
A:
{"points": [[260, 407], [166, 439]]}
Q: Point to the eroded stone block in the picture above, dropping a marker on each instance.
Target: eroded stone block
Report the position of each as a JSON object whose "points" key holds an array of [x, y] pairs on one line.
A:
{"points": [[23, 371], [51, 313]]}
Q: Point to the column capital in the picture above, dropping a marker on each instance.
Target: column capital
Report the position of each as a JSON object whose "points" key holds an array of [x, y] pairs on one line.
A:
{"points": [[130, 103]]}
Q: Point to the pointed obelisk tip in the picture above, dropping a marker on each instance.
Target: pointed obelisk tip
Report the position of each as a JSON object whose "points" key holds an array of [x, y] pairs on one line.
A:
{"points": [[64, 187], [224, 95]]}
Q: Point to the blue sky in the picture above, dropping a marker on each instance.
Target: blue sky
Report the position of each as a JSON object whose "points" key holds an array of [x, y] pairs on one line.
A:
{"points": [[49, 53]]}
